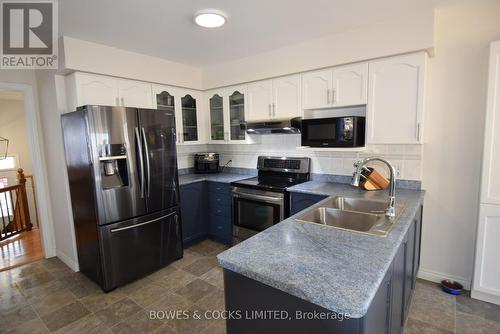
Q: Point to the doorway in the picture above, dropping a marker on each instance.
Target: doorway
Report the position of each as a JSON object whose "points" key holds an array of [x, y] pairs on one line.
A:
{"points": [[25, 231]]}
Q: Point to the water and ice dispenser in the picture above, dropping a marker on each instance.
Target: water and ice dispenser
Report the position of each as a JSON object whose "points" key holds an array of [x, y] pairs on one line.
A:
{"points": [[114, 170]]}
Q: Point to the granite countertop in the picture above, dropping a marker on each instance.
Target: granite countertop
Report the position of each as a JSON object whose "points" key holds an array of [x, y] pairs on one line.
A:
{"points": [[336, 269], [216, 177]]}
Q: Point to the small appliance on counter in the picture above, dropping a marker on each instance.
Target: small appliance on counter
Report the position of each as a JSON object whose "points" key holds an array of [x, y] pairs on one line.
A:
{"points": [[206, 163], [348, 131]]}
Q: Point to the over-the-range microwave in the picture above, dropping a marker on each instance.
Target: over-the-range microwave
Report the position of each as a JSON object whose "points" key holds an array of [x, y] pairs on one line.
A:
{"points": [[334, 132]]}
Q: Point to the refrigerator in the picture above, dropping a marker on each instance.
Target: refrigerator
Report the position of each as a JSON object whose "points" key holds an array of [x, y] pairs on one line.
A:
{"points": [[123, 181]]}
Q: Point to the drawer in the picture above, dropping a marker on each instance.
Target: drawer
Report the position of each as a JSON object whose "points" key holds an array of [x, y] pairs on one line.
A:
{"points": [[219, 204], [219, 187], [220, 227]]}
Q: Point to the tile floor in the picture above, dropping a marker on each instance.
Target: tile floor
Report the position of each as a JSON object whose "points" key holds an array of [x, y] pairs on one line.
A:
{"points": [[46, 296]]}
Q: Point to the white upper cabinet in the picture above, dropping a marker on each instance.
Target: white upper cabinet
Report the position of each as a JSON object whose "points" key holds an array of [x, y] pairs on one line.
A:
{"points": [[227, 111], [83, 89], [260, 99], [273, 99], [287, 97], [316, 88], [349, 85], [191, 120], [396, 100], [188, 108], [217, 113], [335, 87], [134, 94]]}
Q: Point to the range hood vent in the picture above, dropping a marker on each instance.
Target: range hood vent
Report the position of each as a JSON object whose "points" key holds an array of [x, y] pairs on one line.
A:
{"points": [[277, 126]]}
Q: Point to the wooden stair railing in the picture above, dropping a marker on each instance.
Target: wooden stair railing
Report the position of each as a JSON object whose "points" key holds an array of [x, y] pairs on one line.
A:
{"points": [[14, 210]]}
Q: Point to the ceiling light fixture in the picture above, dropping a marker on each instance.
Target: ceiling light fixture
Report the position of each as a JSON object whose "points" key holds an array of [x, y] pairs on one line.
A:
{"points": [[210, 18]]}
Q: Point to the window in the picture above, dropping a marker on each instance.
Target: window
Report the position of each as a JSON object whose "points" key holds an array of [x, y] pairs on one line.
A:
{"points": [[5, 201], [8, 163]]}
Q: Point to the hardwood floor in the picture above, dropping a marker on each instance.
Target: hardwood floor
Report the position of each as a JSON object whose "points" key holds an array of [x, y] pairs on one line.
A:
{"points": [[21, 249]]}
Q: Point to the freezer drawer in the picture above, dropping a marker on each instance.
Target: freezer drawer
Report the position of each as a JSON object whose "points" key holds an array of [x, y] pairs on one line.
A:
{"points": [[134, 248]]}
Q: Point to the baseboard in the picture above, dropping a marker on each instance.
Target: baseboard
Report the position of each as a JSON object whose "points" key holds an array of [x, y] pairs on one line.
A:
{"points": [[486, 297], [436, 277], [68, 261]]}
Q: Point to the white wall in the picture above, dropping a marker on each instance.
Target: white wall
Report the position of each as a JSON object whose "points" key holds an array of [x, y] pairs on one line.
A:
{"points": [[456, 100], [97, 58], [413, 32], [52, 104]]}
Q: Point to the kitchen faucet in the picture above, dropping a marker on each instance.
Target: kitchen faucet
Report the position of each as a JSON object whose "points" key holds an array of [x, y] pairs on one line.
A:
{"points": [[390, 211]]}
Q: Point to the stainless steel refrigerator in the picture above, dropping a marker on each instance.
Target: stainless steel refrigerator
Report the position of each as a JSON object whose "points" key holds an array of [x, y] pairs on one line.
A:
{"points": [[122, 171]]}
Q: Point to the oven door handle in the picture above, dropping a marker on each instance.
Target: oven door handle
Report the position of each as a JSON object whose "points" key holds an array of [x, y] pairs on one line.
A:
{"points": [[258, 197]]}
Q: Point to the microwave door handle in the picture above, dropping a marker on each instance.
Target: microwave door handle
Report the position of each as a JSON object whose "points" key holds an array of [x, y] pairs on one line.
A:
{"points": [[258, 197], [148, 165], [141, 160]]}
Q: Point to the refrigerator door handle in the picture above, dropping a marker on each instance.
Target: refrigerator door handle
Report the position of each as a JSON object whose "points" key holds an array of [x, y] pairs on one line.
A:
{"points": [[141, 160], [144, 223], [148, 166]]}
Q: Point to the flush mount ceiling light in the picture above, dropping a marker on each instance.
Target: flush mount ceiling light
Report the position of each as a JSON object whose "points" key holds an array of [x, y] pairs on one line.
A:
{"points": [[210, 18]]}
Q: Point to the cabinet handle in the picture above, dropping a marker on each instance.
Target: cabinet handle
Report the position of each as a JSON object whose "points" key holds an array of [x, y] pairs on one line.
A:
{"points": [[123, 102], [333, 96], [418, 131], [274, 109], [117, 101], [328, 96]]}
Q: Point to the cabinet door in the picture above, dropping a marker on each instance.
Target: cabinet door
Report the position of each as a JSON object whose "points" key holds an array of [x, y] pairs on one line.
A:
{"points": [[260, 100], [287, 97], [410, 257], [486, 283], [166, 98], [418, 238], [316, 88], [490, 186], [190, 118], [236, 115], [95, 89], [395, 96], [193, 211], [398, 289], [299, 201], [217, 116], [350, 85], [134, 94]]}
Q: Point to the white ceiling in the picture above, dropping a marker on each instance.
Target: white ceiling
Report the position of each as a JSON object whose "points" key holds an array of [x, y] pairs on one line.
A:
{"points": [[165, 28]]}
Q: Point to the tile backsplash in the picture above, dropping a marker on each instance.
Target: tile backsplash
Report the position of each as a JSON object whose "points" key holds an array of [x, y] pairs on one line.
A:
{"points": [[407, 159]]}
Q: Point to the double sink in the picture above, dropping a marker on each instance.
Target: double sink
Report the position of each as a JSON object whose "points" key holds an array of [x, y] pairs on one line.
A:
{"points": [[353, 214]]}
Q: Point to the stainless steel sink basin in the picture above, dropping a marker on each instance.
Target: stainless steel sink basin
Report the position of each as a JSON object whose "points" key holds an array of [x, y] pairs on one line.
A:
{"points": [[357, 204], [347, 220], [353, 214]]}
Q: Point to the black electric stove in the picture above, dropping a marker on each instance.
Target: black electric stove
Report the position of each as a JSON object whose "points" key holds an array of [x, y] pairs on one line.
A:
{"points": [[261, 201]]}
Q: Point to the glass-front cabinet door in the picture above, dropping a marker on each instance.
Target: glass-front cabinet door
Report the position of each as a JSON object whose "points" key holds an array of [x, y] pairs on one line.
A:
{"points": [[189, 119], [236, 116], [165, 101], [216, 109]]}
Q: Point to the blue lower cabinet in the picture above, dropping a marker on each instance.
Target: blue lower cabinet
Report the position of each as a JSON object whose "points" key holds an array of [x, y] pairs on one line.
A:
{"points": [[221, 228], [194, 211], [219, 206], [301, 201]]}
